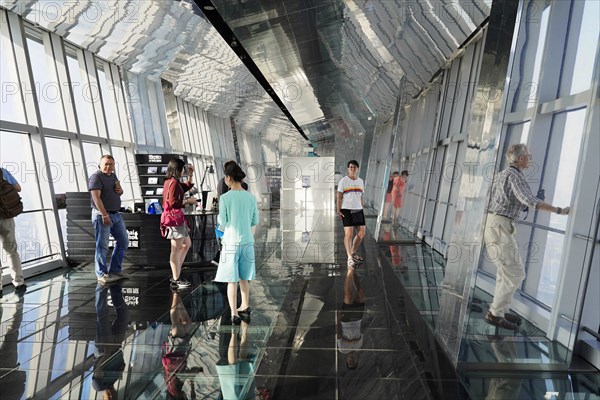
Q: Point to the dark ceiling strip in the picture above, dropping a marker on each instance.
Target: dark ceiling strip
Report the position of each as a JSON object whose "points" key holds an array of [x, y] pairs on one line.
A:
{"points": [[215, 18], [474, 33]]}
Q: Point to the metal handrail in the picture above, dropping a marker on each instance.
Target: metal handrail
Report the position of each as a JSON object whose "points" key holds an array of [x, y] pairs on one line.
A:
{"points": [[591, 332]]}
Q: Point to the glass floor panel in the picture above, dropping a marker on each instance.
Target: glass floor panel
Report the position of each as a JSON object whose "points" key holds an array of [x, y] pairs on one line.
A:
{"points": [[68, 337], [550, 387], [421, 272]]}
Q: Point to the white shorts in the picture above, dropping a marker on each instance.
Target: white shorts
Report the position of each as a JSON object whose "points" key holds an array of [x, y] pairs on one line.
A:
{"points": [[177, 232]]}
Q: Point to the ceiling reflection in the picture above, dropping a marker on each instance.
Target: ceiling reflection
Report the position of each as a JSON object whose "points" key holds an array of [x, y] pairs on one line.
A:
{"points": [[336, 65]]}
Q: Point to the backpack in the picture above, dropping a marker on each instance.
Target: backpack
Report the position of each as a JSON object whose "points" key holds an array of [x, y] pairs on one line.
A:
{"points": [[10, 201]]}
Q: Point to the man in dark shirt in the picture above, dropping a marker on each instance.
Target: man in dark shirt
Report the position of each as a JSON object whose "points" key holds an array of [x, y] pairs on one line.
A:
{"points": [[106, 194], [510, 193]]}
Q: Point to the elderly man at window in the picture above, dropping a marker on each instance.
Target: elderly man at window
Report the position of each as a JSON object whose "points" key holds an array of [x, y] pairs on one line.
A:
{"points": [[510, 194]]}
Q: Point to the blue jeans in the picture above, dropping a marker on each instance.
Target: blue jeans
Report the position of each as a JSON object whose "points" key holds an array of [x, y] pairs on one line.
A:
{"points": [[110, 334], [119, 231]]}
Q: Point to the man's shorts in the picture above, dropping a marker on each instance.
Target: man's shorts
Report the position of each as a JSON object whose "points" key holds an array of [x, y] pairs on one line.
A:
{"points": [[353, 217]]}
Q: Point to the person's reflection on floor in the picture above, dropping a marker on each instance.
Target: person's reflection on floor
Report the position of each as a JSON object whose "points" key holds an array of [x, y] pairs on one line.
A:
{"points": [[235, 365], [396, 257], [395, 253], [110, 333], [176, 350], [388, 197], [349, 321], [388, 233], [13, 383], [503, 388]]}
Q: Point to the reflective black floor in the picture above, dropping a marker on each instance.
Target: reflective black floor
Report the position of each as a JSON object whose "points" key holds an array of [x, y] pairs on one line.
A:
{"points": [[318, 330]]}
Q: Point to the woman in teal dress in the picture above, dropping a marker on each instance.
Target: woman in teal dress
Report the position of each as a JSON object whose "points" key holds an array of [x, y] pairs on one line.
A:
{"points": [[238, 213]]}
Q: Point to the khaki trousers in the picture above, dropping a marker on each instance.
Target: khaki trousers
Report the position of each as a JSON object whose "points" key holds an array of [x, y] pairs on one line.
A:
{"points": [[502, 248], [10, 255]]}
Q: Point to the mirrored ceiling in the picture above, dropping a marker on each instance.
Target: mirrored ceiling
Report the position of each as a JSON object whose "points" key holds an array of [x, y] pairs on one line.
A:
{"points": [[335, 66]]}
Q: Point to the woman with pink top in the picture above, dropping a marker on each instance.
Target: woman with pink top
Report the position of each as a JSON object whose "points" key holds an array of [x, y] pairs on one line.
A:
{"points": [[397, 192]]}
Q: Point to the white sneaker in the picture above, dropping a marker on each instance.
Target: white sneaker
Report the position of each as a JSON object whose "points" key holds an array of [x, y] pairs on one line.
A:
{"points": [[351, 262], [180, 283]]}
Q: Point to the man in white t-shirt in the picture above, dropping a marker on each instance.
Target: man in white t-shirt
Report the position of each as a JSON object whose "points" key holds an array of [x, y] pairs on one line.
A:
{"points": [[350, 210]]}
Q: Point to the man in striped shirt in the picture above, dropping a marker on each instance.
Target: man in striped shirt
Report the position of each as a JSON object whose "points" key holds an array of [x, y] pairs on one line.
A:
{"points": [[510, 194]]}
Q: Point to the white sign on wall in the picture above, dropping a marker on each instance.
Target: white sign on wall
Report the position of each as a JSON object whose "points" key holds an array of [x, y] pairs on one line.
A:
{"points": [[134, 238], [305, 181]]}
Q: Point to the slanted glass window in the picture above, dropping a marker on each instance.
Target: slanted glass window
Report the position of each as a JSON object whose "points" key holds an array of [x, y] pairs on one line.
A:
{"points": [[31, 230], [193, 126], [46, 84], [17, 158], [92, 153], [124, 169], [127, 131], [83, 93], [11, 103], [528, 59], [205, 133], [63, 173], [62, 168], [567, 135], [579, 59], [133, 177], [185, 126], [197, 136], [154, 97], [108, 101], [32, 236]]}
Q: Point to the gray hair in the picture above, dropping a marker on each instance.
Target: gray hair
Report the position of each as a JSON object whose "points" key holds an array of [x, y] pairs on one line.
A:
{"points": [[515, 151]]}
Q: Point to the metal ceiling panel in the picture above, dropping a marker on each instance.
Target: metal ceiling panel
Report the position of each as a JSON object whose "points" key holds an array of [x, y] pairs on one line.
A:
{"points": [[170, 40], [347, 58]]}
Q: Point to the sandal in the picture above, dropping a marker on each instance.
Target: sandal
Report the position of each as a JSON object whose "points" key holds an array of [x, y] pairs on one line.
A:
{"points": [[245, 311], [357, 258], [500, 322], [514, 318]]}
